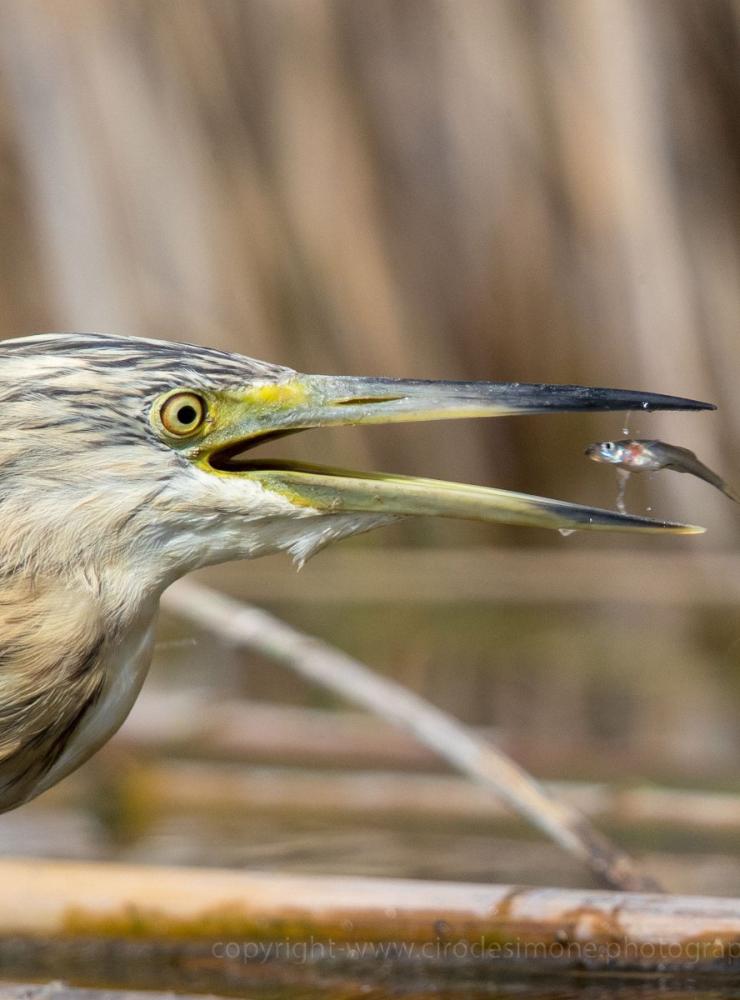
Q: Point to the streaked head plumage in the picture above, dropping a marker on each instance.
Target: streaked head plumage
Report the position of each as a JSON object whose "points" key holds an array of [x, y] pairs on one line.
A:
{"points": [[86, 472]]}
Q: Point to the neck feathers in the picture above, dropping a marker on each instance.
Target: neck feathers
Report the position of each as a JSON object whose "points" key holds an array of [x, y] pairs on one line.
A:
{"points": [[52, 654]]}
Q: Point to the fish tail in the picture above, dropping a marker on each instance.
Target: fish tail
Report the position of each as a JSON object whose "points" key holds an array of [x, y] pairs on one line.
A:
{"points": [[704, 472], [730, 492]]}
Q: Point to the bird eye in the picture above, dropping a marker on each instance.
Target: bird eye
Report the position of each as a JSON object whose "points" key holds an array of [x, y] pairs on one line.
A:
{"points": [[183, 413]]}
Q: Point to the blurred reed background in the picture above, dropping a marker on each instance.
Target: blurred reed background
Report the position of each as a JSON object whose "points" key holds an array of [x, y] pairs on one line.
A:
{"points": [[535, 190]]}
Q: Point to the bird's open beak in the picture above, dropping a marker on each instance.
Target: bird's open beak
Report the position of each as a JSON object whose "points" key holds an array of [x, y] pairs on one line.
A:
{"points": [[271, 410]]}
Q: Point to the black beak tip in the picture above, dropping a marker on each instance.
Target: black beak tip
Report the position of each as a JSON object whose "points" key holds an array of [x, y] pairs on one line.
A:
{"points": [[574, 397], [678, 403], [649, 401]]}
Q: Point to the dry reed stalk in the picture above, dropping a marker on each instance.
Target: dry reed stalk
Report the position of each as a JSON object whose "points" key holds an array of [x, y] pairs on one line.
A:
{"points": [[179, 912], [243, 625]]}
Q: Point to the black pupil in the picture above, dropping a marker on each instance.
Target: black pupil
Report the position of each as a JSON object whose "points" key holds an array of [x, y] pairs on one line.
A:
{"points": [[187, 414]]}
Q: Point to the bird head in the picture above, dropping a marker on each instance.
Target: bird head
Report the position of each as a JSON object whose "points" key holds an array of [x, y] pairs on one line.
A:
{"points": [[144, 458]]}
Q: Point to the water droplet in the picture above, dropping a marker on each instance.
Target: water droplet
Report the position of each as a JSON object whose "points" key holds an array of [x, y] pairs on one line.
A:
{"points": [[566, 531], [626, 428], [649, 509]]}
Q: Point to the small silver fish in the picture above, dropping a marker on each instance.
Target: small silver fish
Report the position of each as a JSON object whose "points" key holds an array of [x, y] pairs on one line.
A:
{"points": [[651, 456]]}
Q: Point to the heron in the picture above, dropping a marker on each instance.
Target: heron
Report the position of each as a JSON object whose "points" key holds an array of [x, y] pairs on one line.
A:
{"points": [[126, 463]]}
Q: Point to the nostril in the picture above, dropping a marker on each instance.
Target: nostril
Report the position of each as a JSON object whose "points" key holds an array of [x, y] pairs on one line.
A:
{"points": [[363, 401]]}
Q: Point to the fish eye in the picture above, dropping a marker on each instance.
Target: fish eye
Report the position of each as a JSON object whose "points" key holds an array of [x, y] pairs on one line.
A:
{"points": [[608, 446], [182, 413]]}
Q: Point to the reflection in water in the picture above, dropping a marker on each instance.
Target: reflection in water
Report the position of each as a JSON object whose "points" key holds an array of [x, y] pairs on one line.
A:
{"points": [[135, 969]]}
